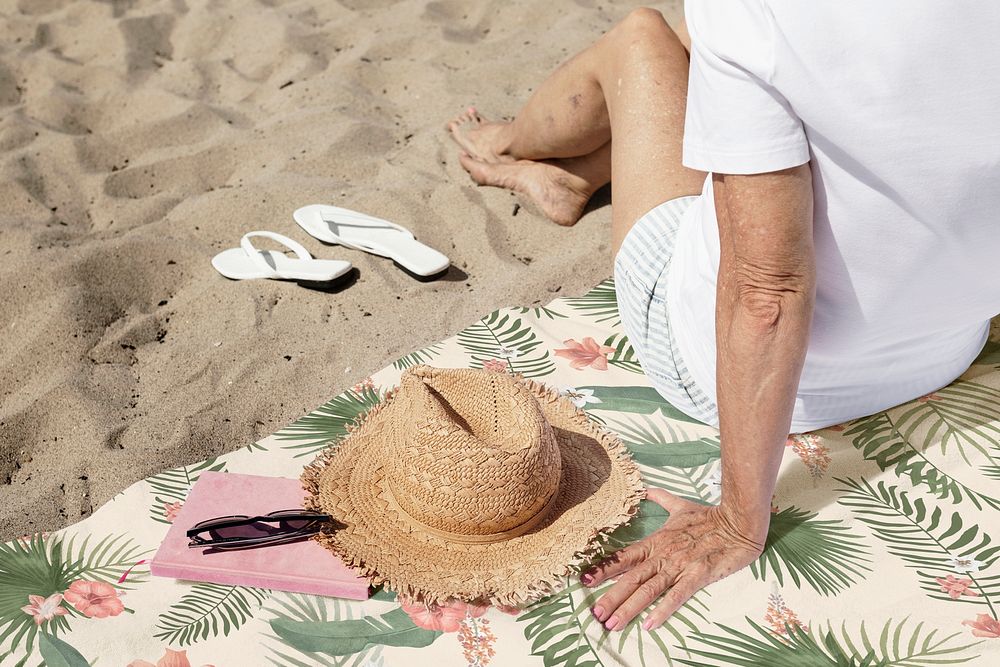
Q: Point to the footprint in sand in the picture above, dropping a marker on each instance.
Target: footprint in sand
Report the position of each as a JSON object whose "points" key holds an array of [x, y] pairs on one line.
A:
{"points": [[10, 93], [459, 22], [188, 174], [62, 109], [368, 4], [38, 7], [200, 122], [147, 43]]}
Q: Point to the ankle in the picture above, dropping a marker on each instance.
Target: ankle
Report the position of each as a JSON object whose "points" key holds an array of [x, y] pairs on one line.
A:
{"points": [[505, 140], [579, 176]]}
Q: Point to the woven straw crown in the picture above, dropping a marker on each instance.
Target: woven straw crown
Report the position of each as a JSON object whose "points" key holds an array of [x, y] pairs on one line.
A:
{"points": [[471, 485], [474, 464]]}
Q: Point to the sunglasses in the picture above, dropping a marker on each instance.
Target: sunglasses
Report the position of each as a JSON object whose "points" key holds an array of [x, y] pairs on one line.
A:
{"points": [[240, 532]]}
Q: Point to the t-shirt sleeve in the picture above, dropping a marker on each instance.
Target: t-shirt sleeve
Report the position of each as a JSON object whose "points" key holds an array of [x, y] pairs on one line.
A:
{"points": [[737, 122]]}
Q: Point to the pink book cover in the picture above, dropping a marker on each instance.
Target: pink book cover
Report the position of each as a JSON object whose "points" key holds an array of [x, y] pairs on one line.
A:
{"points": [[298, 567]]}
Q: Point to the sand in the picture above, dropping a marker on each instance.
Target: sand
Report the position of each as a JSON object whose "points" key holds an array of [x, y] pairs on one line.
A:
{"points": [[140, 137]]}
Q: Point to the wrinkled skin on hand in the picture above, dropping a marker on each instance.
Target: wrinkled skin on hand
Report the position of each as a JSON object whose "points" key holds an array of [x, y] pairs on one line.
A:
{"points": [[698, 545]]}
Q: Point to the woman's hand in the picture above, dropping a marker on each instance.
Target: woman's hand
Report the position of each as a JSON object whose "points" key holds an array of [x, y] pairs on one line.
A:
{"points": [[698, 545]]}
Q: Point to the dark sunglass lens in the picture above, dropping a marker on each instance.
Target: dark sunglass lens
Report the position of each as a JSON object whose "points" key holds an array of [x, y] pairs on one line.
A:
{"points": [[250, 530], [295, 524], [208, 522]]}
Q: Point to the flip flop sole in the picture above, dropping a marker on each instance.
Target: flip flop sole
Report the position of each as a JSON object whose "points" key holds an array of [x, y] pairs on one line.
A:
{"points": [[235, 264], [351, 229]]}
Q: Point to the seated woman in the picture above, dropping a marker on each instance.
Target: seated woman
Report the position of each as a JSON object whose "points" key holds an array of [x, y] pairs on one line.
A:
{"points": [[804, 224]]}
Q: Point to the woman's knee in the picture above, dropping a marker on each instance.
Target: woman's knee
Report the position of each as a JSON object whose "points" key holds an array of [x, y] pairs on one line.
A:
{"points": [[645, 16], [640, 24], [643, 33]]}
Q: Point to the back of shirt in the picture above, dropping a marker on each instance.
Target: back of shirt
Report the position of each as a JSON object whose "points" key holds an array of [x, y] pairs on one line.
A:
{"points": [[897, 105]]}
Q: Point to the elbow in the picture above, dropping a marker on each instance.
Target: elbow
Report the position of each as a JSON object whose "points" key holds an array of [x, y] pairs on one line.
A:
{"points": [[767, 298]]}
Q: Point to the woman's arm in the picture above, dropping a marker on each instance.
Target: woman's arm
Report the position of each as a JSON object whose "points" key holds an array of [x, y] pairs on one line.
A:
{"points": [[766, 290], [764, 306]]}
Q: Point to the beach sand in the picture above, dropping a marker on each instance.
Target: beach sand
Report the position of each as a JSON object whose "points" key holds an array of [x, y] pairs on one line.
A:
{"points": [[139, 138]]}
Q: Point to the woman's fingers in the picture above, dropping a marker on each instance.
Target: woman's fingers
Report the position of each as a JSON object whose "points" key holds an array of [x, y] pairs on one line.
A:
{"points": [[643, 596], [672, 601], [618, 562], [605, 610]]}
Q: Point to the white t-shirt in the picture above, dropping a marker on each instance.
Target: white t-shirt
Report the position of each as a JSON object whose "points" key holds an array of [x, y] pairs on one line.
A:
{"points": [[897, 105]]}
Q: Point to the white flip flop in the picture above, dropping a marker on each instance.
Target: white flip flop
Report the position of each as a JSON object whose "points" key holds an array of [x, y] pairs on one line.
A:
{"points": [[332, 224], [246, 262]]}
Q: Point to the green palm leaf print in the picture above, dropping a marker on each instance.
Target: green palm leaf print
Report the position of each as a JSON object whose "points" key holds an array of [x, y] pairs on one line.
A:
{"points": [[172, 486], [879, 440], [895, 646], [557, 629], [669, 458], [667, 446], [600, 302], [928, 540], [347, 637], [329, 422], [421, 356], [540, 311], [499, 335], [208, 610], [965, 415], [47, 565], [624, 356], [823, 554], [297, 608]]}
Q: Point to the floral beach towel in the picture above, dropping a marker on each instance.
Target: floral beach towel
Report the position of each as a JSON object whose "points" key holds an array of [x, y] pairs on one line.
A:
{"points": [[883, 548]]}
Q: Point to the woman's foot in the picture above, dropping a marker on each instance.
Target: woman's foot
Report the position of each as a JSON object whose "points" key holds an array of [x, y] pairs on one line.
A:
{"points": [[482, 139], [560, 194]]}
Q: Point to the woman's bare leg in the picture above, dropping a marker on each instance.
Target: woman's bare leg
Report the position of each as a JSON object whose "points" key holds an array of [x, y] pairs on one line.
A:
{"points": [[632, 84]]}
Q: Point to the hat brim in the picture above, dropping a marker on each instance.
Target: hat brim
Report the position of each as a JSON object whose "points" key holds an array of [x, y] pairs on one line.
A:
{"points": [[599, 490]]}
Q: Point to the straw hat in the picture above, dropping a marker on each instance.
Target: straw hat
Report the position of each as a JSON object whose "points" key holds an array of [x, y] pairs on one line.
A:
{"points": [[471, 485]]}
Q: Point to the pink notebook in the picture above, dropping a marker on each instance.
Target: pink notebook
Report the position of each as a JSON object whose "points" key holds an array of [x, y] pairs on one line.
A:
{"points": [[298, 567]]}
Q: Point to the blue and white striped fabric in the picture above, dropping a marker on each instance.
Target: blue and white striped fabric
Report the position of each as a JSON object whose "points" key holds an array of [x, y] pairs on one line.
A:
{"points": [[641, 269]]}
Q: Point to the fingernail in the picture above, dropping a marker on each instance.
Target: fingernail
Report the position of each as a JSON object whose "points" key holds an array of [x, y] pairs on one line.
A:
{"points": [[612, 623], [647, 624], [599, 613], [586, 579]]}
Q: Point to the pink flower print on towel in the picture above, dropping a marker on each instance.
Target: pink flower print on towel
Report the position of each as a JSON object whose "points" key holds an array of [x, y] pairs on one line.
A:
{"points": [[171, 658], [956, 588], [94, 599], [45, 609], [984, 626], [442, 618], [495, 365], [585, 354]]}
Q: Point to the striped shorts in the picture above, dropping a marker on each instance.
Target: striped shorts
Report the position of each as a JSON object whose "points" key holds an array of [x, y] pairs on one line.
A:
{"points": [[641, 269]]}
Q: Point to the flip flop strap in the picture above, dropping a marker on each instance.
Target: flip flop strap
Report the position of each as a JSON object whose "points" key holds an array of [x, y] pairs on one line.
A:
{"points": [[258, 258]]}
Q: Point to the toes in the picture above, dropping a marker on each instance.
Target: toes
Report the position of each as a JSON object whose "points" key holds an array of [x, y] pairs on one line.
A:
{"points": [[486, 173], [474, 115], [461, 119], [474, 167]]}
